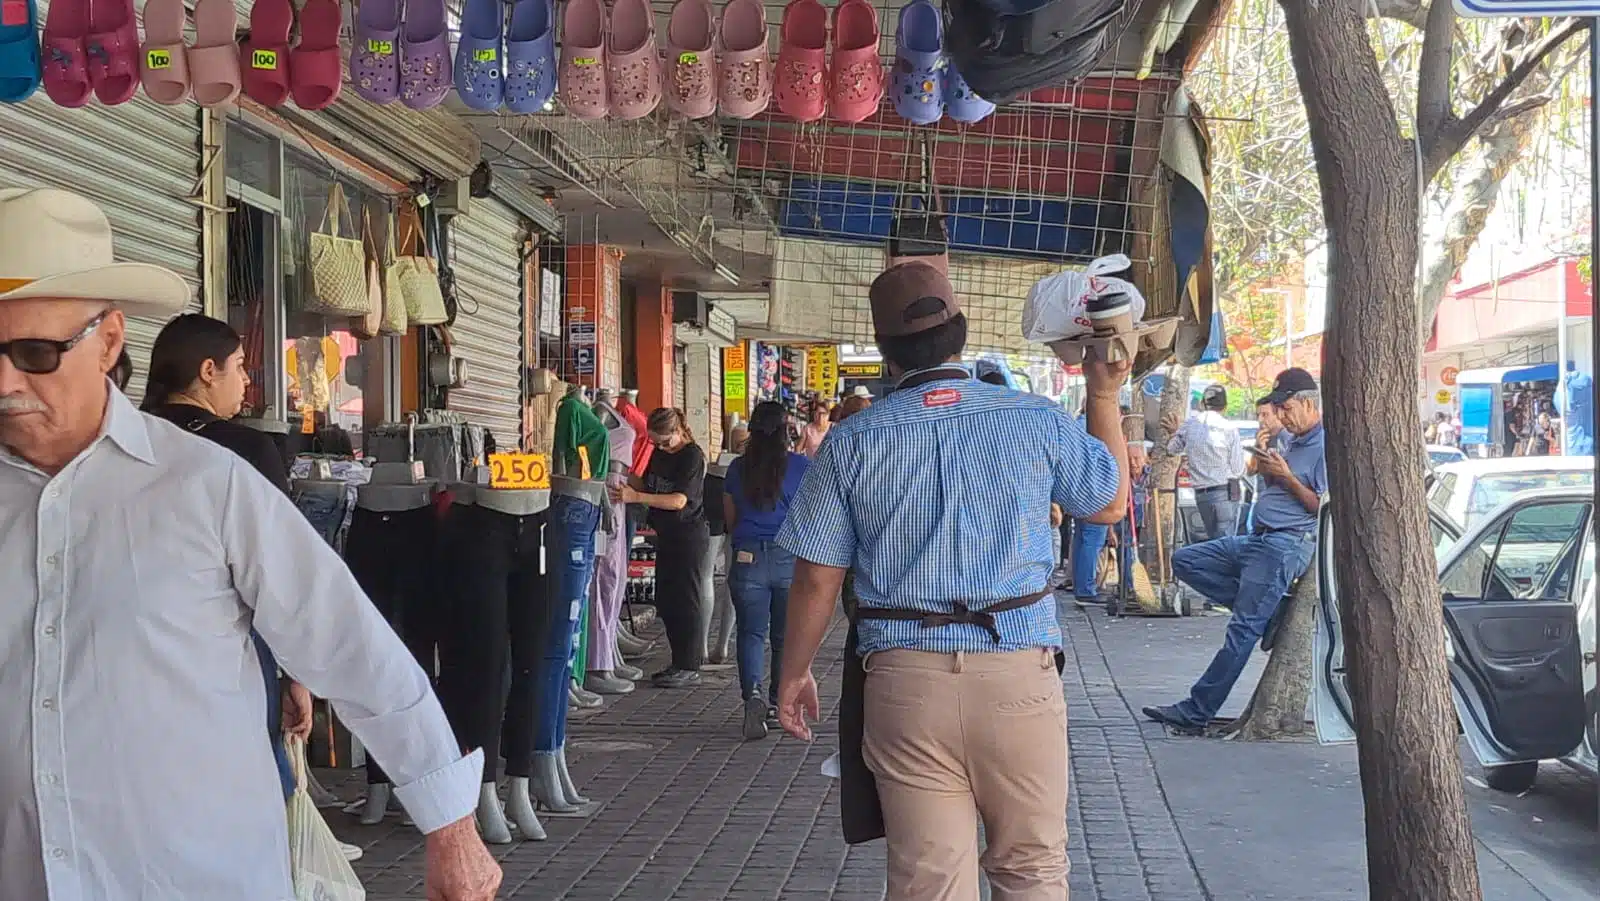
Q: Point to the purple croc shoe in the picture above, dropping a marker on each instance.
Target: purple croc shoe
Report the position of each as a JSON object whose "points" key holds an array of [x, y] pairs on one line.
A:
{"points": [[918, 84], [375, 51], [480, 61], [424, 55]]}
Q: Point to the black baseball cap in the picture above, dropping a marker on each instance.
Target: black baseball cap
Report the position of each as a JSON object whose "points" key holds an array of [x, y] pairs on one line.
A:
{"points": [[1215, 397], [1289, 383]]}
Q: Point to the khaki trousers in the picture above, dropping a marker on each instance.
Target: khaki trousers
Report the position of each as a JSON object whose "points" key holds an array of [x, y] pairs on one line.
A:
{"points": [[955, 737]]}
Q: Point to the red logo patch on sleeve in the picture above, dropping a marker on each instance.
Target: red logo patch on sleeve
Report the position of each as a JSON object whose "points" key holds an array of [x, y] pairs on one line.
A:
{"points": [[13, 13], [941, 397]]}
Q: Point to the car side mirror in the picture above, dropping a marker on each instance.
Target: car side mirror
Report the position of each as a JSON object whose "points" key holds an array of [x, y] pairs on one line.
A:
{"points": [[1427, 481]]}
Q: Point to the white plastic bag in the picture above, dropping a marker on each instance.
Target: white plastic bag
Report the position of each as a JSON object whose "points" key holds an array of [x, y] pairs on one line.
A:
{"points": [[1057, 305], [316, 861]]}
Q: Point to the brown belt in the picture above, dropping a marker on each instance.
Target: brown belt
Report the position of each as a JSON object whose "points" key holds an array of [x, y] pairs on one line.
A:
{"points": [[961, 615]]}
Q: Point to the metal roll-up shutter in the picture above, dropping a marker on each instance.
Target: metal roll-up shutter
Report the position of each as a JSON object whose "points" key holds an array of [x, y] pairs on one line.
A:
{"points": [[139, 161], [680, 377], [486, 255]]}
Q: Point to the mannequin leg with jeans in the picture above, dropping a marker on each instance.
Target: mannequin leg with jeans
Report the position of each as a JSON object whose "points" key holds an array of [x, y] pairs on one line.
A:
{"points": [[528, 595], [570, 556], [610, 582]]}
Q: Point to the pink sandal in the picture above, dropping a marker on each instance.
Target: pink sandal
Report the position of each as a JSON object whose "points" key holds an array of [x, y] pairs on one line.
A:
{"points": [[745, 79], [691, 69], [802, 61], [316, 68], [163, 57], [582, 79], [112, 47], [633, 61], [214, 59], [66, 64], [855, 85]]}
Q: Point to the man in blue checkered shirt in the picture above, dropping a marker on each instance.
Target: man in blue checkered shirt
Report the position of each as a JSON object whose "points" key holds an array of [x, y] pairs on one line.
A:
{"points": [[935, 496]]}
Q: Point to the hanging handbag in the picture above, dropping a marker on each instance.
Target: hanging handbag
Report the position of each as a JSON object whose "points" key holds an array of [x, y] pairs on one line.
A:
{"points": [[393, 321], [338, 264], [418, 276], [370, 324]]}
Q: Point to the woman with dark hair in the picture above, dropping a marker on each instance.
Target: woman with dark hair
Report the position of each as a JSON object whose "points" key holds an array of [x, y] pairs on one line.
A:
{"points": [[197, 382], [122, 372], [756, 499], [673, 487]]}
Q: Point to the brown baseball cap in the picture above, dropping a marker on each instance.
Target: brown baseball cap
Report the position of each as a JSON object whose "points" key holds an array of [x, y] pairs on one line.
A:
{"points": [[909, 298]]}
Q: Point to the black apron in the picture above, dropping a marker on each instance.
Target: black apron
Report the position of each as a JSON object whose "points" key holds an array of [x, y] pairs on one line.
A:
{"points": [[860, 812]]}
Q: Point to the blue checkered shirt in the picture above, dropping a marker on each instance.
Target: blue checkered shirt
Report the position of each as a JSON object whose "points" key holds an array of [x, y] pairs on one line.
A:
{"points": [[939, 493]]}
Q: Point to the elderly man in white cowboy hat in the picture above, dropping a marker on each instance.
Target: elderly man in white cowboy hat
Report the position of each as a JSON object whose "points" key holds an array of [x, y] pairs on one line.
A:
{"points": [[137, 558]]}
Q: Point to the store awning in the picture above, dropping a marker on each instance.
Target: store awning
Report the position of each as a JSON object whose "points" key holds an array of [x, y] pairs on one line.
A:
{"points": [[1502, 375]]}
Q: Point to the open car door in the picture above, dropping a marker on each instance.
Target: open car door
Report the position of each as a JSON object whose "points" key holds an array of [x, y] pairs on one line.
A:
{"points": [[1516, 662]]}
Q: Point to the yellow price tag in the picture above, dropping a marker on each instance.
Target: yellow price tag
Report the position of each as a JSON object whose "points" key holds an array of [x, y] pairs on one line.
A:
{"points": [[485, 56], [308, 421], [158, 59], [264, 59], [519, 472], [583, 460], [688, 59], [585, 61], [380, 48]]}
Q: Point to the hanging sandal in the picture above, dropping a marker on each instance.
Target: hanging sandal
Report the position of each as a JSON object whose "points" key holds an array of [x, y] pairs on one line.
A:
{"points": [[316, 67], [214, 59], [691, 70], [802, 61], [163, 57], [919, 65], [112, 49], [633, 61], [265, 56], [479, 65], [375, 51], [855, 84], [961, 101], [530, 56], [65, 62], [744, 78], [583, 56], [19, 50], [425, 68]]}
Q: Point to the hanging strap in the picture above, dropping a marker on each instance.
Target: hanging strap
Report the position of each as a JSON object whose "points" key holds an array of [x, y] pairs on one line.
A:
{"points": [[337, 209]]}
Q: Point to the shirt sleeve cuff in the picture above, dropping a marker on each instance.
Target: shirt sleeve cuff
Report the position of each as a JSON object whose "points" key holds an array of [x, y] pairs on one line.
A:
{"points": [[445, 795]]}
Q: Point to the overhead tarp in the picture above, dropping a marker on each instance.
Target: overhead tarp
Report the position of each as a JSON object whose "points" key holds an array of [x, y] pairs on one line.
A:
{"points": [[1505, 375]]}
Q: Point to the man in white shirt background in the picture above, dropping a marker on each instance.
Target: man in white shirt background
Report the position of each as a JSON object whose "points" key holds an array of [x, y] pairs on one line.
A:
{"points": [[1215, 462], [137, 558]]}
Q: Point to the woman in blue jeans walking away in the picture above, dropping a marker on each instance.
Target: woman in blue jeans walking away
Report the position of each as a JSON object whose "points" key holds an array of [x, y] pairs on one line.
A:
{"points": [[755, 500]]}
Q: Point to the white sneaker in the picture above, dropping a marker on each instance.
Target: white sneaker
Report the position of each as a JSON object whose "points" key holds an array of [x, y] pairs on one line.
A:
{"points": [[351, 852]]}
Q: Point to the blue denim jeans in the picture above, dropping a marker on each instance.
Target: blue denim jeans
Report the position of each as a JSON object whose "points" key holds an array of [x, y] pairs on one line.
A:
{"points": [[1248, 574], [269, 675], [569, 554], [759, 583], [1220, 515], [1088, 539]]}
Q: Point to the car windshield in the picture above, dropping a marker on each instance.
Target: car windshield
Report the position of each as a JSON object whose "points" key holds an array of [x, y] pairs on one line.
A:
{"points": [[1448, 455], [1491, 490]]}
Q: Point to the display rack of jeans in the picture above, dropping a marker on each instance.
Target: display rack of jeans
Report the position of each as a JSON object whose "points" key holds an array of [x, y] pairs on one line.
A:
{"points": [[718, 646], [325, 491]]}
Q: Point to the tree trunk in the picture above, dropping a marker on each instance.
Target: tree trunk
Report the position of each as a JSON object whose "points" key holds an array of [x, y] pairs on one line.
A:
{"points": [[1277, 709], [1419, 841]]}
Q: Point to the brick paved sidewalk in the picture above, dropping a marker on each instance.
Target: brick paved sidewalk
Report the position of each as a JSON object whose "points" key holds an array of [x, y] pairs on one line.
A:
{"points": [[687, 811]]}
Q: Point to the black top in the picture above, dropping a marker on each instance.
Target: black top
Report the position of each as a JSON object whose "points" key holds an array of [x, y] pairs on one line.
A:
{"points": [[257, 448], [683, 472]]}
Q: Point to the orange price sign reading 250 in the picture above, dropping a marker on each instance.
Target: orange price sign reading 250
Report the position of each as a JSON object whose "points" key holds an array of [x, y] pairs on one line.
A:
{"points": [[519, 472]]}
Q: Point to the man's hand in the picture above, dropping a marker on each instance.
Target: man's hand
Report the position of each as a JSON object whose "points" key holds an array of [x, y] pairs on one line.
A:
{"points": [[1172, 422], [459, 867], [624, 494], [1056, 516], [798, 704], [296, 710], [1272, 465], [1104, 380], [1263, 440]]}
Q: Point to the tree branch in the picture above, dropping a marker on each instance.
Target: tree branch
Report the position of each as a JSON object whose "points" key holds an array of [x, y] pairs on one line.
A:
{"points": [[1411, 12], [1434, 109], [1438, 147]]}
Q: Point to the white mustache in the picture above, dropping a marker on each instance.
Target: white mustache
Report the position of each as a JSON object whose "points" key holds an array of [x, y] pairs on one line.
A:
{"points": [[10, 405]]}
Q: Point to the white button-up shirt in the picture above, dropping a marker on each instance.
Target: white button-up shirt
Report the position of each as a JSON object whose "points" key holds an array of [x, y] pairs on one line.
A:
{"points": [[134, 760], [1214, 449]]}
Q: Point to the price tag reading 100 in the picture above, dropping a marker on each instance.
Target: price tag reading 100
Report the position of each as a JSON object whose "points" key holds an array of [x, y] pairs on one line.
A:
{"points": [[519, 472]]}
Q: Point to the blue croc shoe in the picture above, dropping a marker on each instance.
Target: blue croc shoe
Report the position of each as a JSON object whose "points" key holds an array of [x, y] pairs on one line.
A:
{"points": [[530, 56], [20, 70], [961, 102], [919, 65], [480, 60]]}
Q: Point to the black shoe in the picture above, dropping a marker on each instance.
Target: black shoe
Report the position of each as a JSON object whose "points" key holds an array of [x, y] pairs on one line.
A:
{"points": [[1170, 716], [755, 718], [682, 678]]}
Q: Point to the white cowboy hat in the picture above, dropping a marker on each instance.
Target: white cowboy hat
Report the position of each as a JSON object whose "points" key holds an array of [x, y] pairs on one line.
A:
{"points": [[57, 245], [861, 391]]}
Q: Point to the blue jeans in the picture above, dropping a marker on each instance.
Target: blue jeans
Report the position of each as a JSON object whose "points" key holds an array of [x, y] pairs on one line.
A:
{"points": [[1250, 575], [269, 675], [1220, 515], [760, 590], [1088, 539], [569, 553]]}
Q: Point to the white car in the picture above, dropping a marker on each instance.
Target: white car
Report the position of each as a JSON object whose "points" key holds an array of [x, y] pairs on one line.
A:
{"points": [[1440, 454], [1519, 610], [1467, 490]]}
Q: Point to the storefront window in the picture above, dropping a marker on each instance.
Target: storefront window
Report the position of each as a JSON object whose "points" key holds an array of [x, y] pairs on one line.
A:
{"points": [[323, 367]]}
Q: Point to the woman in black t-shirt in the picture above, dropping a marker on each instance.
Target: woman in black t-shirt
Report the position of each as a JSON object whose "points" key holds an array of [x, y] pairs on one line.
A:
{"points": [[673, 487]]}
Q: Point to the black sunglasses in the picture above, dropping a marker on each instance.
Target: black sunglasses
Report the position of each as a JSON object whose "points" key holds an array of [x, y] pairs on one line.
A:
{"points": [[42, 356]]}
